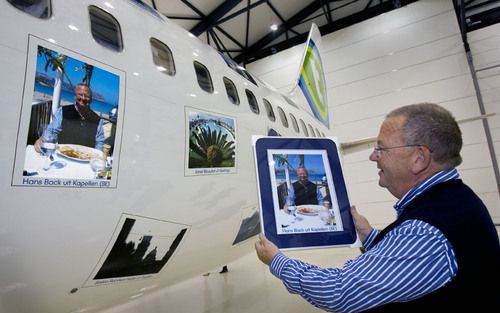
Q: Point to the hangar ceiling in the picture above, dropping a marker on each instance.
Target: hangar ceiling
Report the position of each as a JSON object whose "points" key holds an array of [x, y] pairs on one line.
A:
{"points": [[241, 29]]}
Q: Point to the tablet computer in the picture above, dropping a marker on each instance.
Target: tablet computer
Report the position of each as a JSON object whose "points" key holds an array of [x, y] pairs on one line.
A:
{"points": [[302, 193]]}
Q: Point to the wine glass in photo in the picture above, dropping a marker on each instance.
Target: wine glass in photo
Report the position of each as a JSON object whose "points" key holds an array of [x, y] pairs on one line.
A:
{"points": [[327, 215], [48, 145], [324, 215], [97, 165]]}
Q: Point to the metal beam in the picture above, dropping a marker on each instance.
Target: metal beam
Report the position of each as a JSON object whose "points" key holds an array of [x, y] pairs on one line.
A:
{"points": [[239, 12], [257, 51], [212, 19], [270, 37]]}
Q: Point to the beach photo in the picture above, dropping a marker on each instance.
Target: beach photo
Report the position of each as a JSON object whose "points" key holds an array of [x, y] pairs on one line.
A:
{"points": [[71, 122], [303, 192]]}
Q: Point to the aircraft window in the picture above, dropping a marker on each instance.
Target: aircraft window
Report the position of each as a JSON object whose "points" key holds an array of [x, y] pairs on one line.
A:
{"points": [[317, 132], [304, 128], [238, 69], [105, 29], [252, 102], [294, 123], [282, 114], [269, 110], [232, 92], [36, 8], [203, 76], [162, 57], [311, 130]]}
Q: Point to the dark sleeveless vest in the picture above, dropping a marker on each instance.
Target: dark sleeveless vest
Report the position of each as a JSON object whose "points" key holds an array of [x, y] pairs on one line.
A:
{"points": [[305, 194], [461, 216], [76, 130]]}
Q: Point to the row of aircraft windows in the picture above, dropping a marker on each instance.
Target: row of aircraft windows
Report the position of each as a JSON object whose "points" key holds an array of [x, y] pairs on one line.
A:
{"points": [[205, 82], [106, 31]]}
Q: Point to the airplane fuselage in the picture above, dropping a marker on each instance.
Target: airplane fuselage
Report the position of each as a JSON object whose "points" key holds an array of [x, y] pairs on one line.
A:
{"points": [[59, 231]]}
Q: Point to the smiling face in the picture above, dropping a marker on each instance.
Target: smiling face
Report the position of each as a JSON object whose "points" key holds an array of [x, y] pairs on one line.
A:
{"points": [[83, 97], [395, 164], [302, 174]]}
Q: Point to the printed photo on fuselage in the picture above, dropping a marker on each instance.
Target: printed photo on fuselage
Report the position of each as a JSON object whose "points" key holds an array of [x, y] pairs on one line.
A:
{"points": [[211, 143], [70, 125]]}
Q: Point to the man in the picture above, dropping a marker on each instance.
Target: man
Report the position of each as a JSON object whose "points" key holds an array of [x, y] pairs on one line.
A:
{"points": [[438, 253], [303, 191], [77, 124]]}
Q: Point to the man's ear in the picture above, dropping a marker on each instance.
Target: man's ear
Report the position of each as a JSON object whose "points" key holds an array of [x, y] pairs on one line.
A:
{"points": [[422, 159]]}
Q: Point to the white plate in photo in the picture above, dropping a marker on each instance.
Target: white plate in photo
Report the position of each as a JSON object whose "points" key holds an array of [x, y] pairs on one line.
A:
{"points": [[307, 210], [78, 153]]}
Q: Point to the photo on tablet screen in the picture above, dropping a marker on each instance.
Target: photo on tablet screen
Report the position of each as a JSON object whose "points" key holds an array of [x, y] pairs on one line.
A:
{"points": [[302, 193]]}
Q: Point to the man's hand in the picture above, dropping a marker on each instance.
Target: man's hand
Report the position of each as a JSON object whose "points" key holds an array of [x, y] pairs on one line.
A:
{"points": [[265, 249], [37, 146], [361, 223]]}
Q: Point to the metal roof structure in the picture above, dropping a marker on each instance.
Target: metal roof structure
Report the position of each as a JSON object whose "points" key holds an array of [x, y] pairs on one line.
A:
{"points": [[242, 29]]}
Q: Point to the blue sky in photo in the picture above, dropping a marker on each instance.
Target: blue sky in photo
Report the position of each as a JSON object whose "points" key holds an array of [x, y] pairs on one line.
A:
{"points": [[103, 82], [313, 163]]}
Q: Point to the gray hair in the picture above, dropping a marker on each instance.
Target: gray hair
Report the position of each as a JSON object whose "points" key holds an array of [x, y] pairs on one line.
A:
{"points": [[433, 126]]}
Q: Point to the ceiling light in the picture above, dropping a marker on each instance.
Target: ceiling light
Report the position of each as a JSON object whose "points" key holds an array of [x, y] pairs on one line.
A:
{"points": [[274, 27]]}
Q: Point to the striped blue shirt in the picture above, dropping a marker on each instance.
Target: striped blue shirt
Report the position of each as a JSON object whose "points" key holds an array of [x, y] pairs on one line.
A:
{"points": [[412, 260], [435, 179]]}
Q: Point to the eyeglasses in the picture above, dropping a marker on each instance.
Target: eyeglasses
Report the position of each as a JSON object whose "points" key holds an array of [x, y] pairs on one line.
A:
{"points": [[378, 150]]}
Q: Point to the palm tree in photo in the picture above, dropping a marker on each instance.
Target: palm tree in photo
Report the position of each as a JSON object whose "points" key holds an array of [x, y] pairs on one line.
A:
{"points": [[56, 63], [282, 160], [210, 148]]}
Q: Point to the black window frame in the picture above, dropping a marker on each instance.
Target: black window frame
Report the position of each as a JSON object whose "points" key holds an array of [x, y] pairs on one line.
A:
{"points": [[282, 114], [229, 82], [38, 10], [199, 69], [169, 65], [101, 28], [304, 127], [252, 101], [269, 110], [311, 130], [294, 123]]}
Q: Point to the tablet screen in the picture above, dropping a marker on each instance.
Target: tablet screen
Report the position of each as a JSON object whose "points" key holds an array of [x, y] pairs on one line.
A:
{"points": [[303, 198]]}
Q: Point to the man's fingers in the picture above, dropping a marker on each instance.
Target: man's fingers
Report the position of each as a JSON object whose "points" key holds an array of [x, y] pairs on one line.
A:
{"points": [[260, 243], [354, 213]]}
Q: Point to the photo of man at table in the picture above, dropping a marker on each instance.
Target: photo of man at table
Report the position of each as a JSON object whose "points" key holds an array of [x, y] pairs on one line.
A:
{"points": [[72, 126], [303, 192]]}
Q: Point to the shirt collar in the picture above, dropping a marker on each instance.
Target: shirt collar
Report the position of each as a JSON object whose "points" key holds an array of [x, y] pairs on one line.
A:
{"points": [[435, 179]]}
